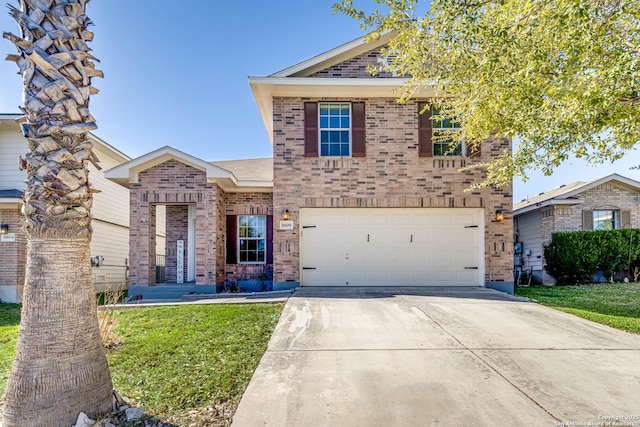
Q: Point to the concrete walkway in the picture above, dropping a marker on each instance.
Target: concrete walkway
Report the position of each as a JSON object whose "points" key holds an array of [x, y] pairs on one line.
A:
{"points": [[439, 357]]}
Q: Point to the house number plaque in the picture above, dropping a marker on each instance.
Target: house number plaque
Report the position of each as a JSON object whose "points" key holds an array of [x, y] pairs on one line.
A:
{"points": [[286, 225]]}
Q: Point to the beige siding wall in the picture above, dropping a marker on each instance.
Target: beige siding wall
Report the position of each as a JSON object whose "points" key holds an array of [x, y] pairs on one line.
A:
{"points": [[528, 229], [110, 241], [12, 146], [391, 175], [110, 213]]}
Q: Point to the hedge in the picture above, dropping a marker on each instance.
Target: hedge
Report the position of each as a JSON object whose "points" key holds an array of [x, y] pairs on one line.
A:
{"points": [[574, 256]]}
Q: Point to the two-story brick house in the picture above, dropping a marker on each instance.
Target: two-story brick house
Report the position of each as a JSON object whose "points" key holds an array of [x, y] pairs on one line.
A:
{"points": [[361, 194]]}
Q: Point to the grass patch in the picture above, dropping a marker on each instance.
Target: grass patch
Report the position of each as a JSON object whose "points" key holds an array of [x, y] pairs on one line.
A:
{"points": [[179, 362], [9, 322], [616, 304]]}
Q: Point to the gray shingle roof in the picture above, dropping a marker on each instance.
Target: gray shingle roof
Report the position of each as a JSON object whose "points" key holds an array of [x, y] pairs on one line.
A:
{"points": [[249, 169], [7, 194]]}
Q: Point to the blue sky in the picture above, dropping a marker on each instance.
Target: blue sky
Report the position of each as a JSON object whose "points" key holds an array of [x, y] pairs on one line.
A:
{"points": [[179, 76]]}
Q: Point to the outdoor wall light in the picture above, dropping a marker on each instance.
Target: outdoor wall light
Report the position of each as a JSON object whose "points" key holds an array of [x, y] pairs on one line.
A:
{"points": [[4, 229], [285, 214], [499, 215]]}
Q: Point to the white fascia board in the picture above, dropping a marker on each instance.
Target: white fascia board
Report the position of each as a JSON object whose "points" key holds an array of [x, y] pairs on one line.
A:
{"points": [[10, 203], [16, 119], [244, 187], [109, 148], [266, 88], [545, 203], [9, 119]]}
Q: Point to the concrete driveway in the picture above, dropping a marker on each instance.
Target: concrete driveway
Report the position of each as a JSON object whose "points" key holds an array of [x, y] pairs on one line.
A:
{"points": [[439, 357]]}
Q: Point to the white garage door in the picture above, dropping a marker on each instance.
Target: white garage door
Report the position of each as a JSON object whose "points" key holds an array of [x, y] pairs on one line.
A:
{"points": [[392, 247]]}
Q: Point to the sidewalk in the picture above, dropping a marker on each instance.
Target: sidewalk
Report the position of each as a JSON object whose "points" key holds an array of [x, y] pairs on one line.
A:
{"points": [[273, 297]]}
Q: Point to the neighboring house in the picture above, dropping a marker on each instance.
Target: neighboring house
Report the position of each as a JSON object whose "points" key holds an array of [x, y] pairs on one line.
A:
{"points": [[357, 194], [606, 203], [110, 242]]}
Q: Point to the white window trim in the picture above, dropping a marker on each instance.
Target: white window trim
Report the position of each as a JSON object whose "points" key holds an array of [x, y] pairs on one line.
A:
{"points": [[616, 218], [251, 238], [320, 128], [463, 147]]}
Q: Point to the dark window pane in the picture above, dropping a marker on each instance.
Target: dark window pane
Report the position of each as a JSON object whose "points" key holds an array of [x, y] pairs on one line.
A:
{"points": [[344, 123], [324, 149], [334, 150], [324, 136], [334, 123], [344, 149], [324, 122], [334, 136], [344, 136]]}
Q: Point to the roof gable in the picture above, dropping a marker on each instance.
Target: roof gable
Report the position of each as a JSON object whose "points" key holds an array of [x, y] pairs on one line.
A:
{"points": [[569, 194], [334, 56], [307, 80], [128, 173]]}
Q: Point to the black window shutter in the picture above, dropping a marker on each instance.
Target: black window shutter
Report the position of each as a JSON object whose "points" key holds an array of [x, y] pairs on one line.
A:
{"points": [[269, 239], [232, 239], [475, 151], [587, 220], [311, 129], [425, 131], [625, 219], [358, 130]]}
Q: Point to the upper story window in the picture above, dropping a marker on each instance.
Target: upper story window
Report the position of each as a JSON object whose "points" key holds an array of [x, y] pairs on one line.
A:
{"points": [[606, 219], [252, 239], [435, 135], [443, 143], [335, 129]]}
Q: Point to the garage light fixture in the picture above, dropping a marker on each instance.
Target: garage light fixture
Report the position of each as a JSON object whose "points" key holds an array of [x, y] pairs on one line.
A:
{"points": [[285, 214], [499, 215], [4, 229]]}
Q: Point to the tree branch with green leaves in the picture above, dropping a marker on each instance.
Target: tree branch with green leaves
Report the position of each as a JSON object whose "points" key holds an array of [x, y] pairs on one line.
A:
{"points": [[562, 76]]}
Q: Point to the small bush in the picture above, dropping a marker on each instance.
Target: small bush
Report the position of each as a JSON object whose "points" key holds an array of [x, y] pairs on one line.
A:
{"points": [[573, 256]]}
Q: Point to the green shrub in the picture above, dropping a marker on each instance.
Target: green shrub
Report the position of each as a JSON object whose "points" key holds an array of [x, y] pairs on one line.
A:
{"points": [[573, 256]]}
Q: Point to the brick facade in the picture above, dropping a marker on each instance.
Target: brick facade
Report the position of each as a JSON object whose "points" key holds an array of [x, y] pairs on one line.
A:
{"points": [[391, 175], [353, 68], [177, 186], [569, 218], [246, 204], [13, 254]]}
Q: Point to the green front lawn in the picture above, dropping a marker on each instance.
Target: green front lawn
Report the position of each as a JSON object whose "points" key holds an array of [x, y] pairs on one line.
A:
{"points": [[615, 304], [9, 322], [186, 364]]}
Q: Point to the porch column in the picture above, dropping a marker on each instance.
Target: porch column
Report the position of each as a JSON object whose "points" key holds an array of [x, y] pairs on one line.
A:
{"points": [[142, 235]]}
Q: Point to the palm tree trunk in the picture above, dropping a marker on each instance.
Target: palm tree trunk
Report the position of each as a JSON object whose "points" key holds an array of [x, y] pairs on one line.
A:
{"points": [[60, 368]]}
